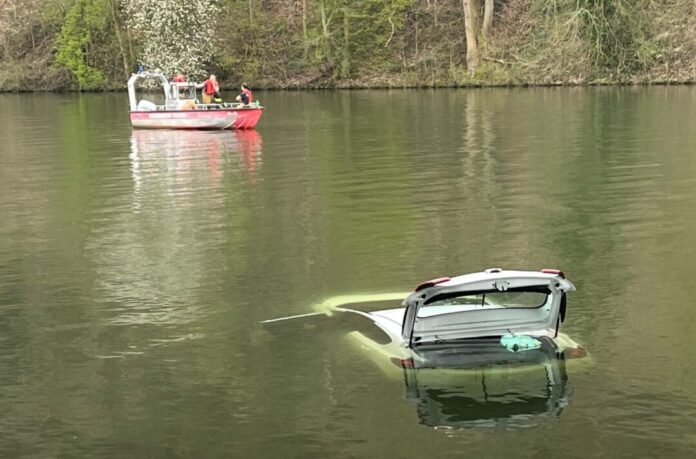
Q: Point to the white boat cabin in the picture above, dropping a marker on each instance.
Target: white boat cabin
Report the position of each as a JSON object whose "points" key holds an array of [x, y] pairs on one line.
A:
{"points": [[174, 95]]}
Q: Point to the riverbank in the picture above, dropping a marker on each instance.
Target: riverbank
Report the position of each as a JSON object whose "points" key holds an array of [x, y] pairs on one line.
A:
{"points": [[399, 44], [51, 79], [379, 85]]}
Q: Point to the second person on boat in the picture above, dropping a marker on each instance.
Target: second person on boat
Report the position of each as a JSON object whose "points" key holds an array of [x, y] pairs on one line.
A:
{"points": [[211, 89], [246, 97]]}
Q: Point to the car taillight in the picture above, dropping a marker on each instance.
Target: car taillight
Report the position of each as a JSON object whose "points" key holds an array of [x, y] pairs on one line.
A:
{"points": [[431, 282], [403, 363], [557, 272], [575, 353]]}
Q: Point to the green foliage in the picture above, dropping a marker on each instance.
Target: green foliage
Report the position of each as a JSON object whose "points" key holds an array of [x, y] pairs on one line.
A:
{"points": [[323, 43], [74, 44], [492, 73], [345, 39], [54, 12], [374, 26], [614, 31], [608, 37], [253, 49]]}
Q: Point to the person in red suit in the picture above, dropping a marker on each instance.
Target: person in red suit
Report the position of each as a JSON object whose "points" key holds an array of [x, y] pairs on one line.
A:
{"points": [[211, 89]]}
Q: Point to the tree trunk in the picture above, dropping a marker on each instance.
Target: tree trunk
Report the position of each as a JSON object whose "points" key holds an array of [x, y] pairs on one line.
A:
{"points": [[326, 35], [117, 29], [129, 42], [487, 18], [345, 63], [304, 29], [470, 26]]}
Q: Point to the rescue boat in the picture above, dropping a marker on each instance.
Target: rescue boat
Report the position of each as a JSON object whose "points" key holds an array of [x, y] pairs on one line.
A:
{"points": [[181, 109]]}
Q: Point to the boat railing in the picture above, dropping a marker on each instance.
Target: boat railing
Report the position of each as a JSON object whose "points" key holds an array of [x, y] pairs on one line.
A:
{"points": [[148, 106], [254, 104]]}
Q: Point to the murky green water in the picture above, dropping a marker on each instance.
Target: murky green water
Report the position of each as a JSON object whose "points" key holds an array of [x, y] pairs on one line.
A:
{"points": [[135, 266]]}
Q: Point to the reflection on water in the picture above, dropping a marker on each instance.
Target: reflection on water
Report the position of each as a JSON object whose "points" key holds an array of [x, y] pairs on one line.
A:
{"points": [[180, 152], [151, 262], [509, 390]]}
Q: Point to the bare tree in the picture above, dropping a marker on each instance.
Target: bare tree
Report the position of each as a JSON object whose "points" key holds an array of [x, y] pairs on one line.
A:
{"points": [[471, 26], [305, 40], [345, 62], [115, 18], [487, 18]]}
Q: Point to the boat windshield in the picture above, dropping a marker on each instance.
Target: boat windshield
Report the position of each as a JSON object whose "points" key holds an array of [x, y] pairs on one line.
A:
{"points": [[182, 91], [523, 298]]}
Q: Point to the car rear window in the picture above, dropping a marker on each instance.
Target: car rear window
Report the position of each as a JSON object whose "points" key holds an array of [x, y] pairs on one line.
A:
{"points": [[471, 301]]}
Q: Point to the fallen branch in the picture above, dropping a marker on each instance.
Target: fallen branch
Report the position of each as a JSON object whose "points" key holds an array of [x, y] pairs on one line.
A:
{"points": [[499, 61]]}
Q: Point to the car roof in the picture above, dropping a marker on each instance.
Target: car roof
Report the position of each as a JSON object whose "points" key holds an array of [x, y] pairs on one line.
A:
{"points": [[474, 281]]}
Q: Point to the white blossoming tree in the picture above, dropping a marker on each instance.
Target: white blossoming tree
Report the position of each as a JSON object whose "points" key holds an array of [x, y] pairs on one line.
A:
{"points": [[177, 35]]}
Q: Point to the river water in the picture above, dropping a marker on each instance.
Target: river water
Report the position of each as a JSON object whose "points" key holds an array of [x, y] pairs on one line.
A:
{"points": [[135, 267]]}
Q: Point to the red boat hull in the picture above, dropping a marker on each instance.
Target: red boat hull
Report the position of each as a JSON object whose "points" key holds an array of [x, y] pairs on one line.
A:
{"points": [[226, 118], [247, 118]]}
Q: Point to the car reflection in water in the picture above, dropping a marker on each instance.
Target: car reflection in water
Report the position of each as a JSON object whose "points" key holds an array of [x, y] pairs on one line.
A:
{"points": [[482, 384]]}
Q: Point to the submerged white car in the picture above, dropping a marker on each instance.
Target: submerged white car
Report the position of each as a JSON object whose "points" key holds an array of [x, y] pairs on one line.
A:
{"points": [[452, 338], [512, 311]]}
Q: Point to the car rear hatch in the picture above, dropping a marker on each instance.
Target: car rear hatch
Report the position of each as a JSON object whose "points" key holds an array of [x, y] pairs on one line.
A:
{"points": [[487, 305]]}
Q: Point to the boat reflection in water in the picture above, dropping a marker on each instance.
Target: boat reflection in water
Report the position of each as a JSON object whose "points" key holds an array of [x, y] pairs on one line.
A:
{"points": [[184, 150], [148, 259], [482, 384]]}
